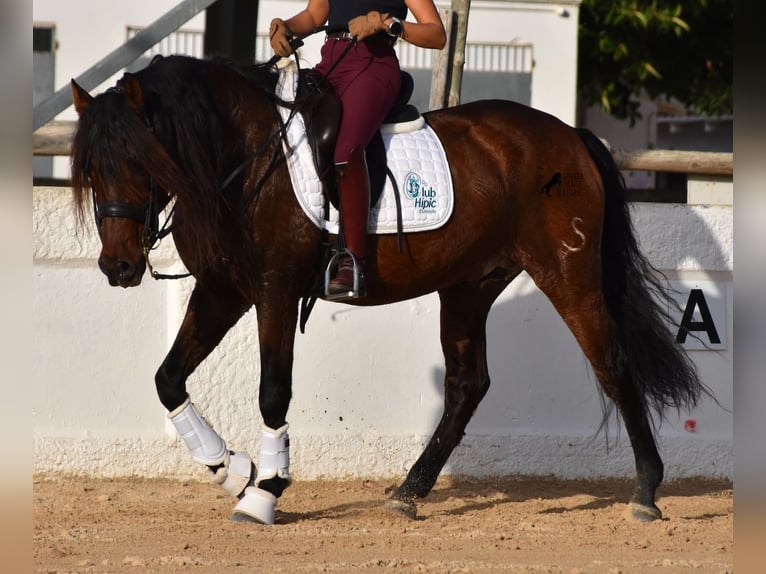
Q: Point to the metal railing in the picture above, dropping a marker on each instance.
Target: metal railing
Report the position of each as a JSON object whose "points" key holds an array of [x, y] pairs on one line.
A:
{"points": [[187, 42], [191, 43], [118, 59], [512, 56]]}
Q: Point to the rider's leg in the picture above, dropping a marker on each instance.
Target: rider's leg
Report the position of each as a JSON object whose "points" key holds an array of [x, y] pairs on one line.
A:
{"points": [[354, 193]]}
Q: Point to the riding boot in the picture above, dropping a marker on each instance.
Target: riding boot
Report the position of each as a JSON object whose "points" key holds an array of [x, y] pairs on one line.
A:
{"points": [[354, 195]]}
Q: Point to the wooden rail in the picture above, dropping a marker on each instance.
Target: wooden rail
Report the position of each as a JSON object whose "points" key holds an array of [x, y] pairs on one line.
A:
{"points": [[694, 162], [55, 139]]}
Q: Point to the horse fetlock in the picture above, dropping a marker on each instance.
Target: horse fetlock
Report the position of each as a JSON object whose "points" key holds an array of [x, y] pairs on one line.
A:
{"points": [[274, 459], [205, 445], [235, 474], [275, 486], [417, 484]]}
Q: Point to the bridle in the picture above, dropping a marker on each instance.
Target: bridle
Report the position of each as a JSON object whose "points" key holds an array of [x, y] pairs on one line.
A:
{"points": [[147, 214]]}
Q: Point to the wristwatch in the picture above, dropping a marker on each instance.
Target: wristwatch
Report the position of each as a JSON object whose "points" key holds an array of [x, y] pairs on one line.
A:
{"points": [[395, 28]]}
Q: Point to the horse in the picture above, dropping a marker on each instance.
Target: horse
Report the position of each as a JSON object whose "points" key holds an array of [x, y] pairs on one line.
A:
{"points": [[205, 135]]}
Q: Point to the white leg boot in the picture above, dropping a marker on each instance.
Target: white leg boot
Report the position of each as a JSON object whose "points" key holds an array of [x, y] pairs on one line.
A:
{"points": [[205, 445], [258, 504]]}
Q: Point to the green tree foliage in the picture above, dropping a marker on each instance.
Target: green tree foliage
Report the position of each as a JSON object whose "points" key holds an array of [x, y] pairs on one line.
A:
{"points": [[672, 50]]}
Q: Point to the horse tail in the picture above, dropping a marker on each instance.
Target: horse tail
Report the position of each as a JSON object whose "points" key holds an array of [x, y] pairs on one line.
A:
{"points": [[639, 300]]}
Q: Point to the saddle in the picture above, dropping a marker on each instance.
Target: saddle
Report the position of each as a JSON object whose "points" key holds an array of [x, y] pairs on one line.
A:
{"points": [[321, 113]]}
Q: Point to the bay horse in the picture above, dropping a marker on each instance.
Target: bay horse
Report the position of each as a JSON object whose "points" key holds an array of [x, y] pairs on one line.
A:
{"points": [[205, 134]]}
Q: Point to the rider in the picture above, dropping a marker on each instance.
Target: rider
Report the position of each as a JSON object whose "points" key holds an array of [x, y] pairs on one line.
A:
{"points": [[367, 81]]}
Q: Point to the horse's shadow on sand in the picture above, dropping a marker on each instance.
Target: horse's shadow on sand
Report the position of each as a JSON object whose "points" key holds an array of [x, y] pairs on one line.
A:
{"points": [[460, 497]]}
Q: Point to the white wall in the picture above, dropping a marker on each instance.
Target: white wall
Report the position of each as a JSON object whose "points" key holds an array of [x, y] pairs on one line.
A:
{"points": [[368, 382], [98, 347]]}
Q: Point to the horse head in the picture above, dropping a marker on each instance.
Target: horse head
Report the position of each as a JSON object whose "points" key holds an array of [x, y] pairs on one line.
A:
{"points": [[117, 161]]}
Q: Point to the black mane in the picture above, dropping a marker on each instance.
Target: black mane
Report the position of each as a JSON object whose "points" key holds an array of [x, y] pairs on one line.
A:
{"points": [[184, 139]]}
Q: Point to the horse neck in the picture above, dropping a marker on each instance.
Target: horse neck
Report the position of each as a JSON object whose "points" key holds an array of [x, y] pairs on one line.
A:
{"points": [[247, 140], [250, 125]]}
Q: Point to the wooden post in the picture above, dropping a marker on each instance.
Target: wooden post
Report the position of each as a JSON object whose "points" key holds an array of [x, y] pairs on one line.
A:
{"points": [[460, 8], [440, 78], [230, 30]]}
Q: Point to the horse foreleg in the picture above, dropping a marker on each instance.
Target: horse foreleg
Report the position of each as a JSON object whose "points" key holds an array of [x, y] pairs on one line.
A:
{"points": [[277, 312], [209, 316], [464, 312]]}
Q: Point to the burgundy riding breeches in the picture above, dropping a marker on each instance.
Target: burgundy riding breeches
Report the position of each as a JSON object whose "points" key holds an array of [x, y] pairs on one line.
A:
{"points": [[367, 81]]}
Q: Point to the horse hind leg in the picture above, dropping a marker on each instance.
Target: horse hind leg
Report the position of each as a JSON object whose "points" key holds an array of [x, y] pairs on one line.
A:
{"points": [[582, 305], [464, 311], [613, 372]]}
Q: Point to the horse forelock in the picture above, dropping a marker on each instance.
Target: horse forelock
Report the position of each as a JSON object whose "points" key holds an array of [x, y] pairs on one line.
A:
{"points": [[186, 140], [107, 141]]}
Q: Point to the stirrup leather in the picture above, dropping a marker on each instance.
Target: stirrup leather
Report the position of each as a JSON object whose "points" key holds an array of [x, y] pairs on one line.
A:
{"points": [[358, 289]]}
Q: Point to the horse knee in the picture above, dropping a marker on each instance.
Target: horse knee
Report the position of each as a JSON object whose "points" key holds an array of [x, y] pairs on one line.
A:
{"points": [[171, 390]]}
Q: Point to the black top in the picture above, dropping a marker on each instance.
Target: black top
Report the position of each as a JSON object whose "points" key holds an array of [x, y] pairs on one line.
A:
{"points": [[341, 11]]}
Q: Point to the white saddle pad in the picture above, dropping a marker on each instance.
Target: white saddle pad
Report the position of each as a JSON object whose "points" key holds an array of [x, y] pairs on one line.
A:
{"points": [[416, 159]]}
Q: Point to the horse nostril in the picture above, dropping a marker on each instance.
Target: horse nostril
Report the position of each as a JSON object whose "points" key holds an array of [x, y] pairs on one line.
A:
{"points": [[125, 273], [125, 270], [118, 272], [107, 269]]}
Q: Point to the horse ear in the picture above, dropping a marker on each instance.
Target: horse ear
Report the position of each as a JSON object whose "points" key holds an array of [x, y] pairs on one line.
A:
{"points": [[81, 98], [133, 92]]}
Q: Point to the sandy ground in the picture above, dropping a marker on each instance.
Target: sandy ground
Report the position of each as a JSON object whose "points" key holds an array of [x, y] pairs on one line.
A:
{"points": [[507, 525]]}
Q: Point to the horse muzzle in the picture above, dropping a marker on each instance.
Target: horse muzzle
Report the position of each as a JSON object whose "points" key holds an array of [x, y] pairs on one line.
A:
{"points": [[120, 272]]}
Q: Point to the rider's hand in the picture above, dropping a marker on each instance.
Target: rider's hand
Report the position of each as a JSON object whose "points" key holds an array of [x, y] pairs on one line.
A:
{"points": [[279, 36], [371, 23]]}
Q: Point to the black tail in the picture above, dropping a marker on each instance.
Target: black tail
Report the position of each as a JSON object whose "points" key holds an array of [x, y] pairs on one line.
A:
{"points": [[639, 300]]}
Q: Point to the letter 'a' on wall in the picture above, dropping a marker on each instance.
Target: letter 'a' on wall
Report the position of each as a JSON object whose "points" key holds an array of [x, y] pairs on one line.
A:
{"points": [[700, 319]]}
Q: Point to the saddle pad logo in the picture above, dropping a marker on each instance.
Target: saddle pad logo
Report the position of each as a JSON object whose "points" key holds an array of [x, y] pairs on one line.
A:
{"points": [[422, 195]]}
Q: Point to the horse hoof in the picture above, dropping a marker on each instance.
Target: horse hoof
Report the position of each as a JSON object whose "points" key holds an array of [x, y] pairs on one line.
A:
{"points": [[406, 508], [256, 505], [241, 517], [641, 513]]}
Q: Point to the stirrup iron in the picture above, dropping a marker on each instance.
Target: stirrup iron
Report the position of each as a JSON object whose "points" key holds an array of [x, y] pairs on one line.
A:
{"points": [[358, 287]]}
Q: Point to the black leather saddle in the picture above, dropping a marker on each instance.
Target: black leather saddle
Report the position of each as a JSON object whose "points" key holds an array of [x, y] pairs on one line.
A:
{"points": [[321, 113]]}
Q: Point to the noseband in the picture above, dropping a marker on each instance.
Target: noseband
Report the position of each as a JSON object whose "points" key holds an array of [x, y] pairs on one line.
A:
{"points": [[147, 214], [141, 213]]}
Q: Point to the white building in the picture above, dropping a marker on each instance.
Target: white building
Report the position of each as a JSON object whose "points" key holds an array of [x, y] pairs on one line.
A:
{"points": [[532, 42]]}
